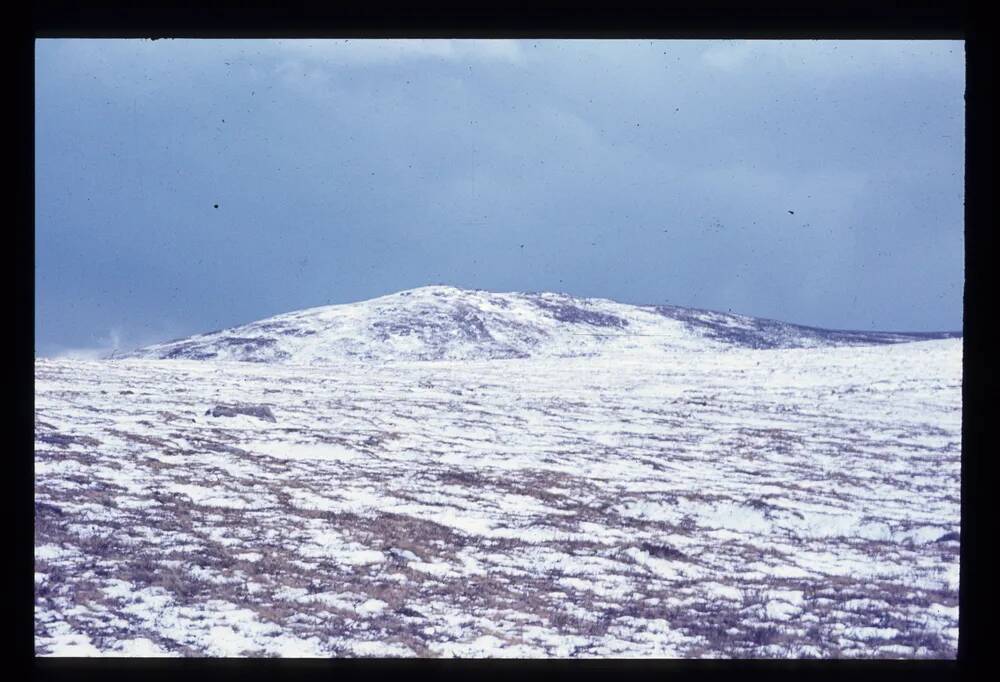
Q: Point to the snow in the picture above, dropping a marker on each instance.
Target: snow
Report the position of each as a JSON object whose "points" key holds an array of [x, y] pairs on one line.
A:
{"points": [[377, 649], [438, 569], [209, 496], [77, 645], [323, 451], [446, 323], [723, 591], [49, 552], [362, 557], [620, 501], [370, 606], [141, 647]]}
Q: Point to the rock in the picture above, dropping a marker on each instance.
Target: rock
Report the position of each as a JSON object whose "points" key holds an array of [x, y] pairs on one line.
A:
{"points": [[65, 440], [231, 410], [410, 613]]}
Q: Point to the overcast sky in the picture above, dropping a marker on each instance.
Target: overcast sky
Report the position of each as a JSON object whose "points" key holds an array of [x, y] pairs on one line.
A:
{"points": [[187, 185]]}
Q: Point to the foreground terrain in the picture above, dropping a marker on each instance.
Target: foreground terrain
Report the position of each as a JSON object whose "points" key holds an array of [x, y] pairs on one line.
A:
{"points": [[736, 501]]}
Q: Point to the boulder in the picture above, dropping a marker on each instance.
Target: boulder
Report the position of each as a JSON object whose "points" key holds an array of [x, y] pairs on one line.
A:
{"points": [[231, 410]]}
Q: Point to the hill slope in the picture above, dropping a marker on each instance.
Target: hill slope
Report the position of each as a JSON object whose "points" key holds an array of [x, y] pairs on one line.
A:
{"points": [[446, 323], [746, 503]]}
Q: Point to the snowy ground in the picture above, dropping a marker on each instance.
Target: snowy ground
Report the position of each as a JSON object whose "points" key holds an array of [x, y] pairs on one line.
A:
{"points": [[777, 503]]}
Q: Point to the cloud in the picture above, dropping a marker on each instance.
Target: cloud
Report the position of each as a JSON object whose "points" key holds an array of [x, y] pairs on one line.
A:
{"points": [[309, 67], [114, 343], [371, 51], [81, 354], [834, 57], [728, 56], [104, 348]]}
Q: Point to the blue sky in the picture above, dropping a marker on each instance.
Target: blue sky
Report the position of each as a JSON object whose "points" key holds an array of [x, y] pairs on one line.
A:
{"points": [[818, 182]]}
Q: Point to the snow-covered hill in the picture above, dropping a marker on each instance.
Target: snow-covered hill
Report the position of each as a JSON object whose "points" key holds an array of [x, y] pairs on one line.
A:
{"points": [[446, 323]]}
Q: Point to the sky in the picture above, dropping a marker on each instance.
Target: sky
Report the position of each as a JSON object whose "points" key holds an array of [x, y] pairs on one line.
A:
{"points": [[184, 186]]}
